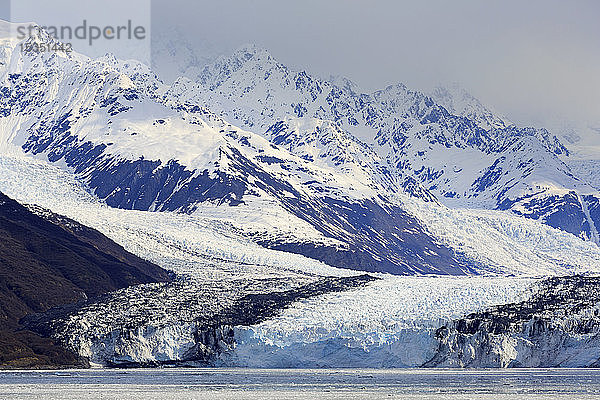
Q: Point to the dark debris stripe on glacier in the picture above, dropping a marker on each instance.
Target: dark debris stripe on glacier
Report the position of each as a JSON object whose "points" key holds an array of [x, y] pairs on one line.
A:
{"points": [[210, 309], [558, 326]]}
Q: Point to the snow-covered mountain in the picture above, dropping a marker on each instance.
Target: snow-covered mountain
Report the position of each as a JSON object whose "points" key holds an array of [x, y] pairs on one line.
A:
{"points": [[102, 120], [451, 144], [312, 186], [174, 56], [459, 102], [253, 189]]}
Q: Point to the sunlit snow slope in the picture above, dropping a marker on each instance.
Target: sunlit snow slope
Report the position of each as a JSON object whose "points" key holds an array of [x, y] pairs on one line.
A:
{"points": [[447, 142]]}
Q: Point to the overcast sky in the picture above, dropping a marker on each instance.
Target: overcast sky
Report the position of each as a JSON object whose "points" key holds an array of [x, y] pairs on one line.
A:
{"points": [[529, 59], [532, 60]]}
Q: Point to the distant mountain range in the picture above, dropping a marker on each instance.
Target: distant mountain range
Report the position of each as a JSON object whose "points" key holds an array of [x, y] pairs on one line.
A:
{"points": [[449, 142]]}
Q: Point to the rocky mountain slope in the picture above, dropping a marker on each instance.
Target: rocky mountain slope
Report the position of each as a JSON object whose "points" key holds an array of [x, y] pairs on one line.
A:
{"points": [[49, 261]]}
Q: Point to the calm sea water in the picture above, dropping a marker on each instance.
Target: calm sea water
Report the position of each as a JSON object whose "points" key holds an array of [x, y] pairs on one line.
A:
{"points": [[239, 384]]}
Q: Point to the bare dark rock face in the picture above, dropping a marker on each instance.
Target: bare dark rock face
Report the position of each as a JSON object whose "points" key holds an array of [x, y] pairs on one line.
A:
{"points": [[45, 261]]}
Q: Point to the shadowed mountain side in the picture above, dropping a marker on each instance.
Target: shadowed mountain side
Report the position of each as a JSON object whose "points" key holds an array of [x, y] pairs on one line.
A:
{"points": [[49, 262]]}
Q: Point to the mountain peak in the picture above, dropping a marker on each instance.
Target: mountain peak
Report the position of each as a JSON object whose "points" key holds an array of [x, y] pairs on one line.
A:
{"points": [[215, 73], [251, 49], [245, 53], [343, 83], [458, 101]]}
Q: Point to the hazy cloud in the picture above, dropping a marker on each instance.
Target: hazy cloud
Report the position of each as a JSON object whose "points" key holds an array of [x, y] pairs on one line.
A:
{"points": [[533, 60], [528, 59]]}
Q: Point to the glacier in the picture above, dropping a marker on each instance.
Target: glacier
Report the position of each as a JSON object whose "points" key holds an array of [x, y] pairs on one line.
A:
{"points": [[269, 193], [389, 322]]}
